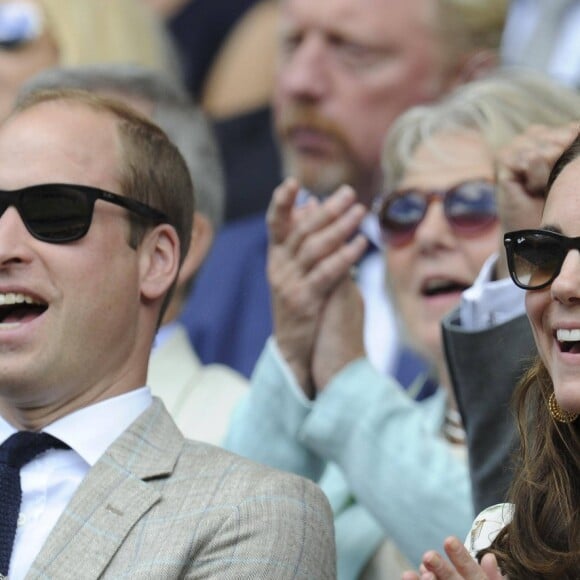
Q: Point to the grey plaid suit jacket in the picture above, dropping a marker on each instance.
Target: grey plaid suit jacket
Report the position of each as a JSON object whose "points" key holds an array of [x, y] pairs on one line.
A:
{"points": [[159, 506]]}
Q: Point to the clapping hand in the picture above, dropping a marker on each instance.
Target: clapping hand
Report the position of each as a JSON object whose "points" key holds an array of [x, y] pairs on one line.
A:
{"points": [[312, 248], [522, 169], [461, 566]]}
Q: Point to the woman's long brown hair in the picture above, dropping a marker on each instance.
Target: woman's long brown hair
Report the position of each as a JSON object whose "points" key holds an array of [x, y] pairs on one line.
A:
{"points": [[543, 539]]}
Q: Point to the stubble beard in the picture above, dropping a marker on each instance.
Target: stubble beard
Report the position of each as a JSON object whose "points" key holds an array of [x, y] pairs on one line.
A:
{"points": [[321, 177]]}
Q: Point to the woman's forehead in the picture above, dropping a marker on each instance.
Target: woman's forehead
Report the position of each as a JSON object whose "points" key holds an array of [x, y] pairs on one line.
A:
{"points": [[446, 159]]}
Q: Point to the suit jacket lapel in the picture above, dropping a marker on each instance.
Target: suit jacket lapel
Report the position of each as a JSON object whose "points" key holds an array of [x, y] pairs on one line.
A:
{"points": [[111, 499]]}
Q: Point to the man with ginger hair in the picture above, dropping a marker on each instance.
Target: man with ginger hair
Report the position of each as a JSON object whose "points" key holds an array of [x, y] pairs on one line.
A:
{"points": [[346, 70]]}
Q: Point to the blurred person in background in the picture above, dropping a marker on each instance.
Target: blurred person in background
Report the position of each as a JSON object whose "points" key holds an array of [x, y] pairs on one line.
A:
{"points": [[396, 469], [199, 398], [39, 34], [344, 73], [228, 54]]}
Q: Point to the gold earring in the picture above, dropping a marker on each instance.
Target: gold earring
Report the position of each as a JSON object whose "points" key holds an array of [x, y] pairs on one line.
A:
{"points": [[558, 414]]}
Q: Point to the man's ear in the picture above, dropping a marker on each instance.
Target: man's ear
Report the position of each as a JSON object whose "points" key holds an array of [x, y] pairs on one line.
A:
{"points": [[201, 241], [159, 261]]}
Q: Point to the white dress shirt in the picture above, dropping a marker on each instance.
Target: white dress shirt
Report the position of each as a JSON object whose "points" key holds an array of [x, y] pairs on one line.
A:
{"points": [[381, 329], [50, 480]]}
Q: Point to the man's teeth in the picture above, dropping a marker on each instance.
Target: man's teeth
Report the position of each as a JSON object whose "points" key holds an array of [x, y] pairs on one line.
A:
{"points": [[16, 298], [567, 335]]}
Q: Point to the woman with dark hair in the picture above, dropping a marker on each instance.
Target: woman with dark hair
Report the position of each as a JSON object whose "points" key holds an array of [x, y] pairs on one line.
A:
{"points": [[537, 535]]}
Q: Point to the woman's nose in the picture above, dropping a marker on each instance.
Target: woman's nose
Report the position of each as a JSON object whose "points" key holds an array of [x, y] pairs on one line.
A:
{"points": [[566, 286]]}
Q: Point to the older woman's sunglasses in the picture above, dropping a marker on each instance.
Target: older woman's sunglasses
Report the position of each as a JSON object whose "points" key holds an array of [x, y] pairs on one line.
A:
{"points": [[535, 257], [58, 213], [469, 207]]}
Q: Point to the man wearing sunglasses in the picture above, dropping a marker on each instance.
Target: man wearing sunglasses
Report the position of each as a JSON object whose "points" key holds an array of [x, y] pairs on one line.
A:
{"points": [[199, 397], [97, 481]]}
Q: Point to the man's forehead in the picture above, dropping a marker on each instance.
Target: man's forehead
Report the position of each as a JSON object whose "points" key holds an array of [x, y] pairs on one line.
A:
{"points": [[57, 141], [71, 117], [377, 16]]}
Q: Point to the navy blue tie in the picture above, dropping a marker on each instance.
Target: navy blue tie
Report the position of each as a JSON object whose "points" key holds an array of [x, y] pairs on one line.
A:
{"points": [[16, 451]]}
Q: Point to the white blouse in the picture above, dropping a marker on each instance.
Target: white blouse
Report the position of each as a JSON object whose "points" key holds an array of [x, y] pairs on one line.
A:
{"points": [[487, 526]]}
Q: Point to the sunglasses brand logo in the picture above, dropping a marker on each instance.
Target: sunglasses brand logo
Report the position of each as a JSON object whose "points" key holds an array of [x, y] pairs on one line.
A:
{"points": [[535, 257]]}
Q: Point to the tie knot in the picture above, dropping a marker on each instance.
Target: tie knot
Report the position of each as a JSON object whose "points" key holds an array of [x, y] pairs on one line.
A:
{"points": [[24, 446]]}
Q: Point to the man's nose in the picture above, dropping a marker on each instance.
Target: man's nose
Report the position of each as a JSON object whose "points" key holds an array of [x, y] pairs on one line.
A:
{"points": [[303, 72], [14, 238]]}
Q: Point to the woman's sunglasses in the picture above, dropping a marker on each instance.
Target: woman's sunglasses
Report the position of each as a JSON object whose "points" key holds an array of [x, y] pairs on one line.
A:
{"points": [[535, 257], [59, 213], [469, 207]]}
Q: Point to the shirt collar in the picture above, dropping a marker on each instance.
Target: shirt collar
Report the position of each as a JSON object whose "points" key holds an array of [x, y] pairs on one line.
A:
{"points": [[164, 333], [111, 416]]}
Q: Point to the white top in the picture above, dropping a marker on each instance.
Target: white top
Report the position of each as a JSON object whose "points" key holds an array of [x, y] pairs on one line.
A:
{"points": [[50, 480], [381, 332], [490, 302], [487, 526]]}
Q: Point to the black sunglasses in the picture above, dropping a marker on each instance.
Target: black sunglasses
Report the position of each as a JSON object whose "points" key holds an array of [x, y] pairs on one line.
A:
{"points": [[59, 212], [535, 257], [469, 207]]}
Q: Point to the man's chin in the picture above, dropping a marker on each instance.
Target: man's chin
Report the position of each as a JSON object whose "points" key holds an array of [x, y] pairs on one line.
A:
{"points": [[320, 177]]}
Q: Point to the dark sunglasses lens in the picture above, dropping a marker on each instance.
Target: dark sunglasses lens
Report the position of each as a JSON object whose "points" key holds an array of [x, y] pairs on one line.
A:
{"points": [[536, 259], [401, 215], [471, 206], [56, 214]]}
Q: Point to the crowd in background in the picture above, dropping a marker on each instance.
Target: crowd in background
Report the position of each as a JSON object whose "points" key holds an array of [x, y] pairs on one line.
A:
{"points": [[346, 310]]}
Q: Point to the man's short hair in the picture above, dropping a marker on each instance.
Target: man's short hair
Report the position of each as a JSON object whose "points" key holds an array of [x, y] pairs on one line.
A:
{"points": [[173, 110], [151, 169]]}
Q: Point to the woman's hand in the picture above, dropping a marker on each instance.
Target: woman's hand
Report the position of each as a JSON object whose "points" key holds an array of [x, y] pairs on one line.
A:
{"points": [[461, 566]]}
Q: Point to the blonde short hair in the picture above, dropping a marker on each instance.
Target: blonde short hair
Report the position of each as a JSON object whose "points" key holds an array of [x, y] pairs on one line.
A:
{"points": [[498, 107], [107, 31]]}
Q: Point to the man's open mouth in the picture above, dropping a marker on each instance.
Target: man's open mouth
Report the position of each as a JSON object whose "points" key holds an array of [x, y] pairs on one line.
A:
{"points": [[16, 307]]}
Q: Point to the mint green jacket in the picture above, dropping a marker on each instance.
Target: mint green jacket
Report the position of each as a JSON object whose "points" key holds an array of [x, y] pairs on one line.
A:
{"points": [[390, 474]]}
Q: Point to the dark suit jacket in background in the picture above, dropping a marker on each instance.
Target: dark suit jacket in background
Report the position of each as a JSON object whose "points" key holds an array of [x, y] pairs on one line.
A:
{"points": [[228, 314], [158, 506], [485, 366]]}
